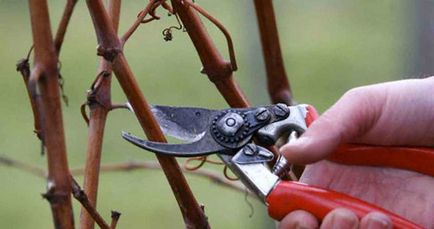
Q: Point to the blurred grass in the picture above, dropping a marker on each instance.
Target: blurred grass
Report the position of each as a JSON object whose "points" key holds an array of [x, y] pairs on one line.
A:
{"points": [[329, 47]]}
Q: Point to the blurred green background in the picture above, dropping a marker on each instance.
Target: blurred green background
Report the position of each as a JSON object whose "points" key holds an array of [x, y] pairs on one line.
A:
{"points": [[328, 46]]}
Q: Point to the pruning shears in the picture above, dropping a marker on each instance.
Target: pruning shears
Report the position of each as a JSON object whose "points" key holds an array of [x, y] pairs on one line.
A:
{"points": [[229, 133]]}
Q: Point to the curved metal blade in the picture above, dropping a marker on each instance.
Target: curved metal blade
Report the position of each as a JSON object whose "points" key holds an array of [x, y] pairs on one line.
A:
{"points": [[184, 123], [204, 146]]}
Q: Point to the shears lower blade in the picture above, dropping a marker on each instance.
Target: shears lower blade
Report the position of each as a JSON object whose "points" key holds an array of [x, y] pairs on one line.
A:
{"points": [[203, 146]]}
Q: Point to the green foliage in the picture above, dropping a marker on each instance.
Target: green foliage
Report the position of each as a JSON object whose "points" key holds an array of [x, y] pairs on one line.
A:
{"points": [[329, 47]]}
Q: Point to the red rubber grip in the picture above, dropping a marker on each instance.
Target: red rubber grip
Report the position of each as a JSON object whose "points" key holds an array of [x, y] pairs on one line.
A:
{"points": [[288, 196], [418, 159], [311, 115]]}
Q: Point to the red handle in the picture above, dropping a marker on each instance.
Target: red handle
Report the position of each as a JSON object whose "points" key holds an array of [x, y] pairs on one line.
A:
{"points": [[288, 196], [418, 159]]}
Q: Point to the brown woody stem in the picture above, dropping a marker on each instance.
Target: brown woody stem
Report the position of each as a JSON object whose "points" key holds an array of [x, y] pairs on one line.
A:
{"points": [[24, 68], [93, 159], [63, 25], [59, 182], [99, 102], [278, 85]]}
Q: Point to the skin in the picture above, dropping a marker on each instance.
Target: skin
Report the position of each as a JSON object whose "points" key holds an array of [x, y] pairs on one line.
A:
{"points": [[389, 114]]}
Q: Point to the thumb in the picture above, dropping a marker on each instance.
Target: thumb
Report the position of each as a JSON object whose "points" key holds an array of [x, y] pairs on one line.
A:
{"points": [[353, 115]]}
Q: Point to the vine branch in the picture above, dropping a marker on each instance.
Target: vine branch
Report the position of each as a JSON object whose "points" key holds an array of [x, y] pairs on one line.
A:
{"points": [[63, 24], [99, 102], [23, 66], [46, 67]]}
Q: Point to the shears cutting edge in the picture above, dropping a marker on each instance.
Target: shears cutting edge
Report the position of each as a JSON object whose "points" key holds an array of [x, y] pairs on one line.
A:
{"points": [[229, 133]]}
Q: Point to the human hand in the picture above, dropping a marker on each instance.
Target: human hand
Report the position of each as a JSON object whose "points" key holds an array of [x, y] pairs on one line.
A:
{"points": [[395, 113]]}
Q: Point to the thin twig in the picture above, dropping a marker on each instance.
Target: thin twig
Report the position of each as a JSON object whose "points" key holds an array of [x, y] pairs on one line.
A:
{"points": [[138, 21], [214, 177], [119, 106], [79, 195], [63, 25], [152, 13], [153, 165], [115, 219], [35, 170]]}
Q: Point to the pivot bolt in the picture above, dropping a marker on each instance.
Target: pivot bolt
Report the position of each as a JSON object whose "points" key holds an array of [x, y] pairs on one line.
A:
{"points": [[262, 114], [250, 150], [265, 154], [281, 110], [230, 124]]}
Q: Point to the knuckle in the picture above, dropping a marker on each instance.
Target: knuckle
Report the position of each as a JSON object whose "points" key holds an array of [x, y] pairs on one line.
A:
{"points": [[298, 219], [357, 94], [340, 218]]}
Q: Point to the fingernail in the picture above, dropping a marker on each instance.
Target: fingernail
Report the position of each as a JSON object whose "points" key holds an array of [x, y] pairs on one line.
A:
{"points": [[301, 226], [289, 147], [304, 225], [344, 221], [378, 223]]}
